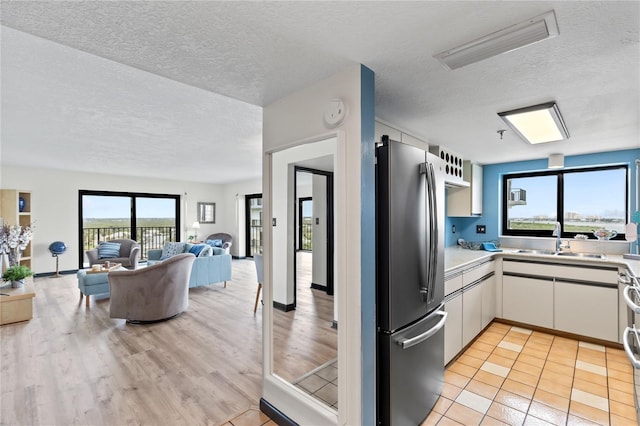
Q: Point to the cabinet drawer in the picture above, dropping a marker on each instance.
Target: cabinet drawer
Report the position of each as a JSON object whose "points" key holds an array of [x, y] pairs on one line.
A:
{"points": [[478, 272], [597, 275], [452, 284], [578, 273]]}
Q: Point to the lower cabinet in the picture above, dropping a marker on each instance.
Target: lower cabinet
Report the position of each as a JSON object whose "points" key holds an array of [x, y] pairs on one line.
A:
{"points": [[453, 328], [528, 300], [586, 310], [488, 300], [471, 313]]}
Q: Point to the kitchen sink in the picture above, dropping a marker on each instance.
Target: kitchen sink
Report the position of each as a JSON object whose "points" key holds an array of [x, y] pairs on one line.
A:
{"points": [[563, 253], [586, 255], [527, 251]]}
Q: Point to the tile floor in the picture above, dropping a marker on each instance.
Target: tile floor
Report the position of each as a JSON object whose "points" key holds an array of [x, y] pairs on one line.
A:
{"points": [[322, 383], [515, 376]]}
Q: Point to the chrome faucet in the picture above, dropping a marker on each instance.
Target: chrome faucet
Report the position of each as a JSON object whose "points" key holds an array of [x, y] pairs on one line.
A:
{"points": [[557, 232]]}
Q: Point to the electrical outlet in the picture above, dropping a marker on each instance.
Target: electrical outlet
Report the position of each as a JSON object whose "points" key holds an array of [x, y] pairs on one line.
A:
{"points": [[481, 229], [453, 229]]}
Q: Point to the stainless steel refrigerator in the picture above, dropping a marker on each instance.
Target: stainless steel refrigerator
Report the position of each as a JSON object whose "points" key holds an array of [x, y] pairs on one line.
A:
{"points": [[410, 282]]}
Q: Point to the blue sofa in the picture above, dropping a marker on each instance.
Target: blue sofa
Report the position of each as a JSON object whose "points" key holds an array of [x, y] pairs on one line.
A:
{"points": [[206, 270]]}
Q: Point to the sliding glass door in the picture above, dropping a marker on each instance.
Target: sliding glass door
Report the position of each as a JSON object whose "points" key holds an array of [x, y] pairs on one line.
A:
{"points": [[253, 224], [150, 219]]}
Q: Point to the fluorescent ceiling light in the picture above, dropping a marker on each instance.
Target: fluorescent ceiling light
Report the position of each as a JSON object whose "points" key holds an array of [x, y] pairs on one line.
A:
{"points": [[532, 30], [538, 123]]}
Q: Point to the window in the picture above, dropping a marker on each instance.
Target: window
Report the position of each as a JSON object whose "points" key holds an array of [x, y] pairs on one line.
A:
{"points": [[150, 219], [581, 200]]}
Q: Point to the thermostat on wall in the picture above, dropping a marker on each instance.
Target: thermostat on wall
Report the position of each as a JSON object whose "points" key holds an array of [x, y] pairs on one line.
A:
{"points": [[334, 113]]}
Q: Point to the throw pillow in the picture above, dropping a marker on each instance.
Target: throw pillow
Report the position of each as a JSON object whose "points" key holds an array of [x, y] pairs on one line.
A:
{"points": [[218, 250], [108, 250], [214, 243], [196, 249], [171, 249], [206, 251]]}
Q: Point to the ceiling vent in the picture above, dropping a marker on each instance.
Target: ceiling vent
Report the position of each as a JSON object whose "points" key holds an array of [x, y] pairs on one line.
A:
{"points": [[532, 30]]}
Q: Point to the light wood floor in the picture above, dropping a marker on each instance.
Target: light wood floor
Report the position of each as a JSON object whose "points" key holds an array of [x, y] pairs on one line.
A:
{"points": [[304, 336], [71, 365]]}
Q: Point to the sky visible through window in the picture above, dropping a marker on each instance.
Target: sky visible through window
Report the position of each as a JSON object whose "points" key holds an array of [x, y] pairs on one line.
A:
{"points": [[600, 193], [591, 200], [106, 207]]}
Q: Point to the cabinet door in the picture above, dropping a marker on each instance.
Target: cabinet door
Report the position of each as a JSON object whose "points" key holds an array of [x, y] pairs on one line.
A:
{"points": [[471, 313], [528, 300], [453, 328], [586, 310], [488, 300], [476, 189]]}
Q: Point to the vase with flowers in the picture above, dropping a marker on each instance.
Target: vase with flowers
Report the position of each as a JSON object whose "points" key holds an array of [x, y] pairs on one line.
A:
{"points": [[14, 239]]}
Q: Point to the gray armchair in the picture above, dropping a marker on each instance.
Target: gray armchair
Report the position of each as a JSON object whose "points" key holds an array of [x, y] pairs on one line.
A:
{"points": [[227, 240], [154, 293], [128, 256]]}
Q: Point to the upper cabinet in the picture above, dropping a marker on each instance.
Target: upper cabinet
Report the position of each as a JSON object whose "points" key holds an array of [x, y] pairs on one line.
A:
{"points": [[398, 135], [463, 202]]}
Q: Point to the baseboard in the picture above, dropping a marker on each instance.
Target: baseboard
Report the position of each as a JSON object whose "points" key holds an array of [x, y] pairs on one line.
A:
{"points": [[282, 307], [276, 415], [318, 287], [238, 257], [49, 274]]}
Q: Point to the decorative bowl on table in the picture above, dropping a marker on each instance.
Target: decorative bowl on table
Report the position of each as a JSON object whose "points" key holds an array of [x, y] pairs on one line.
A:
{"points": [[604, 234]]}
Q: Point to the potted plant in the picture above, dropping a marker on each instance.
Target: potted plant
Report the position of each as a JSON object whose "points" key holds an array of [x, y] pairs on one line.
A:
{"points": [[16, 274]]}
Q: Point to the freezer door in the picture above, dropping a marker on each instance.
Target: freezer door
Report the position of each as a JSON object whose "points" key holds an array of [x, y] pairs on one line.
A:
{"points": [[411, 371], [400, 238]]}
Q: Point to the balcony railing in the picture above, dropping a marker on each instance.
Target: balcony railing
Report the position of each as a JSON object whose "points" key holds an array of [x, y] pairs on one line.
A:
{"points": [[149, 237], [306, 229], [255, 239]]}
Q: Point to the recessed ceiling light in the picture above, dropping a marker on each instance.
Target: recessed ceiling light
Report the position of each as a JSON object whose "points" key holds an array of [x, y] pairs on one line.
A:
{"points": [[532, 30], [537, 124]]}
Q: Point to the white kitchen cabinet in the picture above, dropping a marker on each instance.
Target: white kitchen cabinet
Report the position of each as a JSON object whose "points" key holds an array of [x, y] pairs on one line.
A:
{"points": [[453, 328], [471, 313], [488, 300], [452, 283], [463, 202], [587, 310], [528, 300]]}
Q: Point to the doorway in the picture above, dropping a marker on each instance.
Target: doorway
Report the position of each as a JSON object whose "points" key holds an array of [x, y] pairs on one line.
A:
{"points": [[313, 260]]}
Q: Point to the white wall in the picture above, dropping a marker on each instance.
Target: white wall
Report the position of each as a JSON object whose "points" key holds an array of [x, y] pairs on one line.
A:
{"points": [[287, 122], [55, 205]]}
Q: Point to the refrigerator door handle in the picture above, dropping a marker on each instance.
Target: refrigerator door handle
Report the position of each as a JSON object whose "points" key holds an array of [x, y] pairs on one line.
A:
{"points": [[433, 233], [629, 298], [407, 343], [425, 242]]}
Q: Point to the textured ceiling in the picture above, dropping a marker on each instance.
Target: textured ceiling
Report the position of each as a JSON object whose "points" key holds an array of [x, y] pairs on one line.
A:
{"points": [[144, 79]]}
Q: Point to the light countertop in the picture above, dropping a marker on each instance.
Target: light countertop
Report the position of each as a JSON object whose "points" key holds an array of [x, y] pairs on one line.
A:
{"points": [[458, 258]]}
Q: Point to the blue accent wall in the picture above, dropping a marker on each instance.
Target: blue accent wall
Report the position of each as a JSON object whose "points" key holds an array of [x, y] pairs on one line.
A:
{"points": [[368, 246], [491, 191]]}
